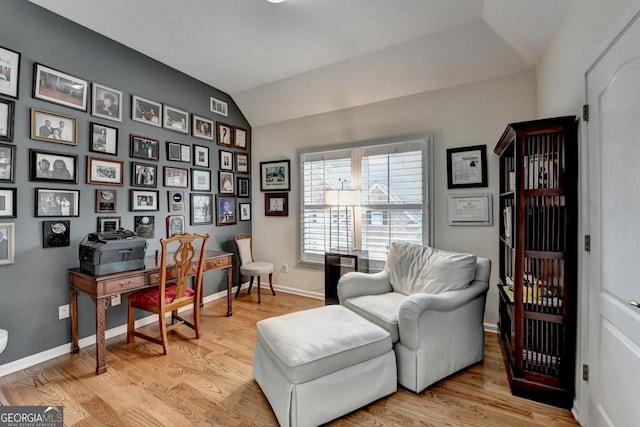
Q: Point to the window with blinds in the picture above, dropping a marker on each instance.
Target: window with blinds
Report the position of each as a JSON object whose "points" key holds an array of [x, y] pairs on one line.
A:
{"points": [[393, 182]]}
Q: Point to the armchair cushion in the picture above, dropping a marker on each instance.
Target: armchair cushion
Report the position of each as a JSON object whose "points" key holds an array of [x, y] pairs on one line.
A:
{"points": [[414, 268], [380, 309]]}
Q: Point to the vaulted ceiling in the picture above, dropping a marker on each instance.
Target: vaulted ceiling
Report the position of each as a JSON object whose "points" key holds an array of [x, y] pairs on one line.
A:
{"points": [[305, 57]]}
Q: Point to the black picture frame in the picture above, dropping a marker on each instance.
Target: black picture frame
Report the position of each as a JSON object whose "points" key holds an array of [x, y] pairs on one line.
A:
{"points": [[244, 187], [224, 134], [143, 200], [144, 175], [144, 226], [201, 208], [177, 152], [226, 182], [50, 202], [200, 156], [8, 202], [103, 139], [244, 211], [226, 160], [59, 87], [7, 163], [106, 224], [56, 234], [200, 179], [143, 147], [51, 166], [176, 177], [467, 167], [7, 118], [10, 59], [275, 176]]}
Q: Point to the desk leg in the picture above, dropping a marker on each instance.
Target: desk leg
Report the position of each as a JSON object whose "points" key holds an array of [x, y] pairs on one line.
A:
{"points": [[101, 305], [74, 321], [229, 290]]}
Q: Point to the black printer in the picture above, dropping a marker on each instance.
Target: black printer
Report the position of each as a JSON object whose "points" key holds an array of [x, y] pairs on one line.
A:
{"points": [[111, 252]]}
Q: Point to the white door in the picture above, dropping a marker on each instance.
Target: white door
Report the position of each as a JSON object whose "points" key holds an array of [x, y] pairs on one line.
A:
{"points": [[613, 175]]}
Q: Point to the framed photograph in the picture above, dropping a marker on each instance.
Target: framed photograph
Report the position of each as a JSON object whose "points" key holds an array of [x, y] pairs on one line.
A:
{"points": [[219, 107], [225, 209], [144, 225], [176, 201], [8, 202], [143, 200], [7, 116], [106, 200], [200, 156], [226, 183], [243, 187], [60, 88], [242, 163], [175, 225], [7, 243], [56, 234], [176, 119], [106, 224], [10, 71], [145, 148], [104, 171], [56, 202], [245, 211], [143, 175], [103, 139], [201, 209], [275, 176], [107, 102], [200, 179], [467, 167], [146, 111], [276, 204], [226, 160], [202, 128], [176, 177], [471, 209], [178, 152], [224, 134], [54, 127], [240, 138], [7, 163], [53, 167]]}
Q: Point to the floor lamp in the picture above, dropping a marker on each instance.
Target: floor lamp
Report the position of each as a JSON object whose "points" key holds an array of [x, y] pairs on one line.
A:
{"points": [[340, 198]]}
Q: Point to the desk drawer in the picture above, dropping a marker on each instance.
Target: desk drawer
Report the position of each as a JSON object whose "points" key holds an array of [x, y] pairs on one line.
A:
{"points": [[123, 284], [218, 263]]}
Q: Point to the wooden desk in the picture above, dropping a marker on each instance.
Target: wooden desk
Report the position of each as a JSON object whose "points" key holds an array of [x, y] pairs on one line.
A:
{"points": [[102, 288]]}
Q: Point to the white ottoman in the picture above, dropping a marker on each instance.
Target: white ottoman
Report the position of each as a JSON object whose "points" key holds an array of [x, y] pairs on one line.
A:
{"points": [[316, 365]]}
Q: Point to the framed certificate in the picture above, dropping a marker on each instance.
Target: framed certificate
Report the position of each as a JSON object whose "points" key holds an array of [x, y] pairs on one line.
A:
{"points": [[471, 209]]}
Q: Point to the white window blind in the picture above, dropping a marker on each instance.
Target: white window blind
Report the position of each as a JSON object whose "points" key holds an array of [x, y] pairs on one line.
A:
{"points": [[393, 181]]}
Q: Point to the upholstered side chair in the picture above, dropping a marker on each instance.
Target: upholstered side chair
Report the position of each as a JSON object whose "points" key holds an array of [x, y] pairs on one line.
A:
{"points": [[249, 266], [184, 255], [432, 303]]}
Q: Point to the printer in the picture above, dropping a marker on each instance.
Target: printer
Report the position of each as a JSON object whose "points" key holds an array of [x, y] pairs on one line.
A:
{"points": [[111, 252]]}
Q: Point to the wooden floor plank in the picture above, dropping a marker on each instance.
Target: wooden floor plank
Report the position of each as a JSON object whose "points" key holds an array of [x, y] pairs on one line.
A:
{"points": [[209, 382]]}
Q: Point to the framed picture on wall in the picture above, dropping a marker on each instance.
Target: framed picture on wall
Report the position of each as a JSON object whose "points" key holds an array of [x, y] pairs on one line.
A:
{"points": [[276, 204], [107, 102], [274, 176], [7, 243], [176, 177], [178, 152], [200, 179], [7, 163], [225, 182], [10, 61], [243, 187], [60, 88], [245, 211], [200, 156], [240, 138], [202, 128], [57, 202], [467, 167], [103, 139], [143, 200], [242, 163], [108, 223], [106, 200], [7, 115], [56, 234], [8, 202], [52, 166], [175, 225], [146, 111], [176, 119], [176, 201], [104, 171], [225, 209], [144, 225], [224, 134], [144, 175], [53, 127], [201, 209], [145, 148], [226, 160]]}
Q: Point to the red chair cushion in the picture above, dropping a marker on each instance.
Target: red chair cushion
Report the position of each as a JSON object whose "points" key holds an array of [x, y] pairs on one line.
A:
{"points": [[152, 296]]}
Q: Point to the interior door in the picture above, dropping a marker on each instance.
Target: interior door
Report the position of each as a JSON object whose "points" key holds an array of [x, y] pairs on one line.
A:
{"points": [[613, 95]]}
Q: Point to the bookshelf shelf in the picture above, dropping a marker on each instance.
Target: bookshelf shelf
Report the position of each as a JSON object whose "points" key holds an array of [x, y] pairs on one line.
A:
{"points": [[537, 257]]}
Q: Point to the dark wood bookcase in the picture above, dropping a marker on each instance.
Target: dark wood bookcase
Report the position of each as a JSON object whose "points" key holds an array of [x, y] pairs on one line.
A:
{"points": [[538, 257]]}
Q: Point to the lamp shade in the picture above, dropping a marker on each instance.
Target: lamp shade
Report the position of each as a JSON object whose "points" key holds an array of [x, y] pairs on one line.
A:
{"points": [[342, 197]]}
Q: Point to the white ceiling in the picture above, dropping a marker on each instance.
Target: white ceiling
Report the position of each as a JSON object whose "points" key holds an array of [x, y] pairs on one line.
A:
{"points": [[304, 57]]}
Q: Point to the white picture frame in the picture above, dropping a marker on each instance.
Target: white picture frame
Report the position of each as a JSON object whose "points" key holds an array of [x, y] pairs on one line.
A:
{"points": [[471, 209]]}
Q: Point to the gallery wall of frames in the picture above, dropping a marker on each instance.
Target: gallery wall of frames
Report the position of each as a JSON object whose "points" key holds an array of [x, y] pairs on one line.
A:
{"points": [[95, 137]]}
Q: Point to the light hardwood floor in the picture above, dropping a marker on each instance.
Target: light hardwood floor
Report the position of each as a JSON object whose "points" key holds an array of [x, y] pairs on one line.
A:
{"points": [[208, 382]]}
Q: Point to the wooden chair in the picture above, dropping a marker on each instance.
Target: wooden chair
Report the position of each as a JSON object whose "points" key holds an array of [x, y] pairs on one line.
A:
{"points": [[250, 267], [172, 291]]}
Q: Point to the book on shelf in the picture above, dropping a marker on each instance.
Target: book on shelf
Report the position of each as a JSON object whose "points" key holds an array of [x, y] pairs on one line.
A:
{"points": [[541, 171], [507, 222]]}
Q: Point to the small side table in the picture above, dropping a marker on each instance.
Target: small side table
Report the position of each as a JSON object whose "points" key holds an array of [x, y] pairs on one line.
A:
{"points": [[337, 263]]}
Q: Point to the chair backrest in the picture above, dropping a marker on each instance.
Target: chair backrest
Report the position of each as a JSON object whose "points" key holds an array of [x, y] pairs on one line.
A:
{"points": [[182, 259], [245, 249]]}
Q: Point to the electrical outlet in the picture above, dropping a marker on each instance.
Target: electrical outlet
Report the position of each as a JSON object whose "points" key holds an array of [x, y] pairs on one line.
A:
{"points": [[115, 300], [63, 311], [285, 268]]}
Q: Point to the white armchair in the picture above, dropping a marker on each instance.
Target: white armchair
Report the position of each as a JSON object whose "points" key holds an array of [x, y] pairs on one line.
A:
{"points": [[432, 303]]}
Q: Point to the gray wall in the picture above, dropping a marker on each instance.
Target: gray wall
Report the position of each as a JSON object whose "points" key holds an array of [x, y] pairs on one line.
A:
{"points": [[32, 289]]}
